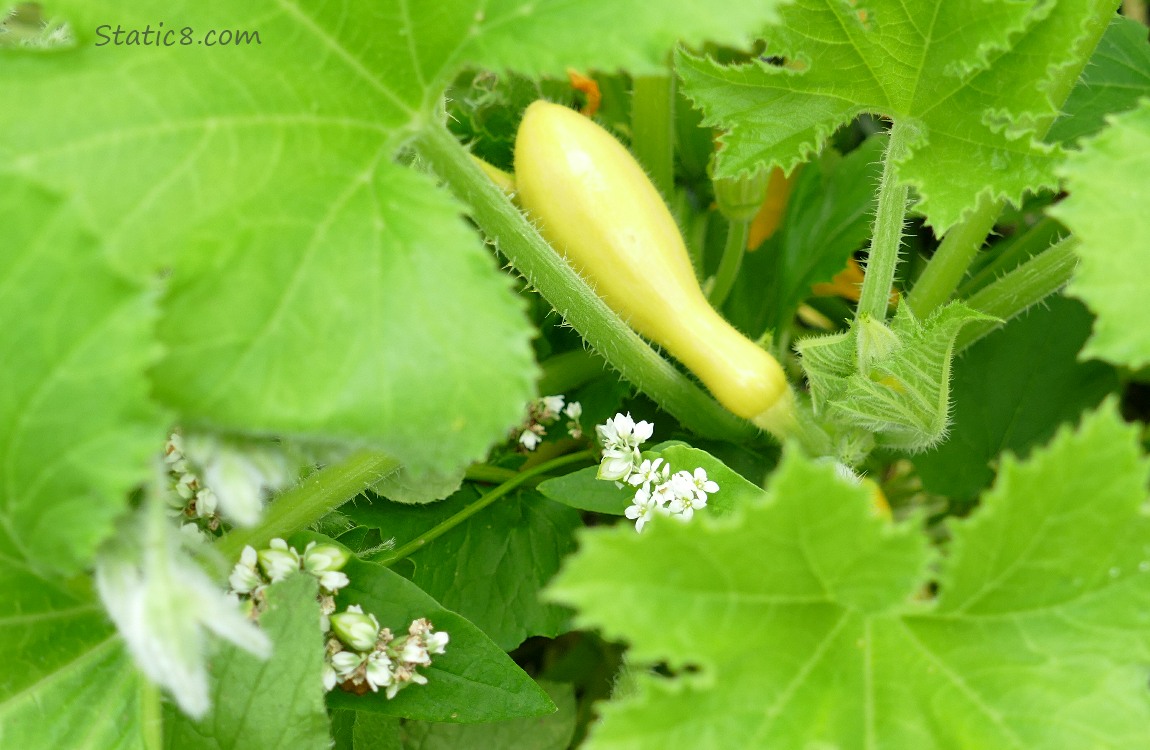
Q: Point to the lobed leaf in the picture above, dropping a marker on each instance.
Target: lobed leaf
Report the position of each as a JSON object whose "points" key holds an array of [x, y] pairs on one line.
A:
{"points": [[626, 34], [1108, 187], [977, 81], [77, 425], [804, 621], [318, 290]]}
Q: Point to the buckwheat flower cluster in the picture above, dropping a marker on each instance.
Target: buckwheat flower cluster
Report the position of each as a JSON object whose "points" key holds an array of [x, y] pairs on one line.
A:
{"points": [[189, 497], [362, 656], [257, 570], [359, 655], [659, 490], [212, 477], [546, 411], [621, 437]]}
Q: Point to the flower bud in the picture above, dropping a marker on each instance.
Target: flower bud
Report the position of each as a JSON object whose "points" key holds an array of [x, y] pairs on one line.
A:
{"points": [[278, 564], [357, 630], [617, 464], [333, 580], [324, 557], [739, 198]]}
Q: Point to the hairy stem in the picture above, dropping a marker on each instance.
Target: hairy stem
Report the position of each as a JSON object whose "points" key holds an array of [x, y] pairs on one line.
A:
{"points": [[653, 129], [1030, 283], [1035, 240], [599, 326], [315, 497], [732, 260], [887, 236], [960, 246], [387, 557]]}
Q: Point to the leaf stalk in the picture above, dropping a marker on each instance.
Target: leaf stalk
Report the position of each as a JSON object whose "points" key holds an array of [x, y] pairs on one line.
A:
{"points": [[890, 218]]}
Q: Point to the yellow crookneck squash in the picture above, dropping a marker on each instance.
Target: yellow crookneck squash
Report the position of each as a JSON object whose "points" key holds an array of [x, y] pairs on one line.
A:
{"points": [[596, 206]]}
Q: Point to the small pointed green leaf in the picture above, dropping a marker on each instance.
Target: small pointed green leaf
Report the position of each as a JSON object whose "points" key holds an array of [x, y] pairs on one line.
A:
{"points": [[584, 490], [891, 380], [828, 362]]}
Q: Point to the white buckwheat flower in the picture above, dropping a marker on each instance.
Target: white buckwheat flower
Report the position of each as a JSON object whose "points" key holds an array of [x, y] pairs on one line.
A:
{"points": [[279, 560], [324, 562], [436, 642], [245, 578], [345, 663], [685, 498], [330, 678], [703, 486], [415, 652], [650, 472], [621, 437], [643, 509], [237, 474], [530, 439], [623, 432], [206, 502], [552, 406], [379, 671], [574, 411], [665, 493]]}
